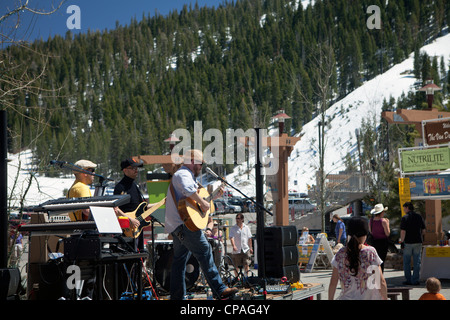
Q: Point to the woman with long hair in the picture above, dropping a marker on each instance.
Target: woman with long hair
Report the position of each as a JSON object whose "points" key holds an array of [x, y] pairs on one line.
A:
{"points": [[357, 266]]}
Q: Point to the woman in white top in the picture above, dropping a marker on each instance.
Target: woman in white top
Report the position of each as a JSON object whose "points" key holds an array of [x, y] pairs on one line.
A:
{"points": [[357, 266]]}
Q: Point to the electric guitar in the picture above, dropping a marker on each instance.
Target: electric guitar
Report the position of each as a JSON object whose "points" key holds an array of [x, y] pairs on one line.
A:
{"points": [[141, 214], [193, 216]]}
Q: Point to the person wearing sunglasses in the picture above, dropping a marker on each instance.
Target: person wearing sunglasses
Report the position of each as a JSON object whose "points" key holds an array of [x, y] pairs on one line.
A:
{"points": [[80, 187], [241, 240], [128, 185]]}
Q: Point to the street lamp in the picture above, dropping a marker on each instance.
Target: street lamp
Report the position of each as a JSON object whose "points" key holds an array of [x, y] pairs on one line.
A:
{"points": [[429, 89], [172, 140], [281, 117]]}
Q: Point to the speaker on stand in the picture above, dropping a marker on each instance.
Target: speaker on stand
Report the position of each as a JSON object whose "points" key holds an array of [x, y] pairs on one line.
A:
{"points": [[281, 252]]}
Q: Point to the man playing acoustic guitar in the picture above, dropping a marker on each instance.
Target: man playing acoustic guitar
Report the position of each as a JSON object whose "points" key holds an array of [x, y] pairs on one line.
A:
{"points": [[186, 241]]}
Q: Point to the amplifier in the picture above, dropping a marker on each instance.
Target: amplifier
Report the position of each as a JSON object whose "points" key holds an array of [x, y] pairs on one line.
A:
{"points": [[283, 256], [281, 252], [291, 272], [280, 236], [96, 247]]}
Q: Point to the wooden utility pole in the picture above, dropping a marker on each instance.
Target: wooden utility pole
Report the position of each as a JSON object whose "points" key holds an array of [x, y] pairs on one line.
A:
{"points": [[285, 145]]}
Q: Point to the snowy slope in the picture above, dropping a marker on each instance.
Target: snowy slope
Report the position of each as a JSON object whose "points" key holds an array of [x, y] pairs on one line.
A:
{"points": [[366, 103], [41, 189]]}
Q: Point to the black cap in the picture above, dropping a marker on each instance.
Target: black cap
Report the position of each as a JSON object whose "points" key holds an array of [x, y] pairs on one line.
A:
{"points": [[130, 162]]}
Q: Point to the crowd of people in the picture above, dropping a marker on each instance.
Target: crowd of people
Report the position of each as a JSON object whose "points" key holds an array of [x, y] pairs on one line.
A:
{"points": [[363, 245]]}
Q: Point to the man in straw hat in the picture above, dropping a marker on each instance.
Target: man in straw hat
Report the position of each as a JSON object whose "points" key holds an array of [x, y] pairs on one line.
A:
{"points": [[380, 231], [185, 241]]}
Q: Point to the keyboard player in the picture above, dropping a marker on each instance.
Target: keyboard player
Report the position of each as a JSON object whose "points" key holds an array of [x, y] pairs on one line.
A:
{"points": [[80, 187]]}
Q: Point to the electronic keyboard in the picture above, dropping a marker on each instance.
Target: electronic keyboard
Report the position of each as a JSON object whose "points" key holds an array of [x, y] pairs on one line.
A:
{"points": [[71, 204]]}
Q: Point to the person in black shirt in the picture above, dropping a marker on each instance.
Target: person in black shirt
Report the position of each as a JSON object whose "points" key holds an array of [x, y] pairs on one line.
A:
{"points": [[412, 228], [128, 186]]}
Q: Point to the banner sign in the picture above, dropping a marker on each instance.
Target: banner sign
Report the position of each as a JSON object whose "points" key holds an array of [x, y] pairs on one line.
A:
{"points": [[436, 132], [430, 186], [404, 192], [438, 252], [425, 159]]}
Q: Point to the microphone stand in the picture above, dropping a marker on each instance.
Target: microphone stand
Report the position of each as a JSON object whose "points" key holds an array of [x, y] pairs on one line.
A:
{"points": [[152, 221], [245, 196]]}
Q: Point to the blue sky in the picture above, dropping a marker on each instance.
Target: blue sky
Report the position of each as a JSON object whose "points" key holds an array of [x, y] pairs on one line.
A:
{"points": [[94, 15]]}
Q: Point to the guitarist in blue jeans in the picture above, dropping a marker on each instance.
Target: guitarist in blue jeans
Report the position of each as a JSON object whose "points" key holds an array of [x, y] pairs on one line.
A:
{"points": [[185, 241]]}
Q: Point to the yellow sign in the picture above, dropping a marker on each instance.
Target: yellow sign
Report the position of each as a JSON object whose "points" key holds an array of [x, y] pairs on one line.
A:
{"points": [[404, 192], [304, 252], [437, 252]]}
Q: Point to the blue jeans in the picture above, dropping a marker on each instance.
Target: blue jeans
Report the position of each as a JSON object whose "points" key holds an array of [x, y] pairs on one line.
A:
{"points": [[413, 250], [185, 243]]}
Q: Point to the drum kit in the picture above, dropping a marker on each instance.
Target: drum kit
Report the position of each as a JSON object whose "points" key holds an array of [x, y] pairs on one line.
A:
{"points": [[163, 263]]}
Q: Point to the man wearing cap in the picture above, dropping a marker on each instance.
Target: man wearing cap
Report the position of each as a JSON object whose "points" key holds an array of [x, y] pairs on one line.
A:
{"points": [[80, 187], [185, 241], [379, 228], [128, 186]]}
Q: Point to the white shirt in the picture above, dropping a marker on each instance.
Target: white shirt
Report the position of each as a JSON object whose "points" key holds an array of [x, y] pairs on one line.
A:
{"points": [[241, 237], [365, 286], [184, 185]]}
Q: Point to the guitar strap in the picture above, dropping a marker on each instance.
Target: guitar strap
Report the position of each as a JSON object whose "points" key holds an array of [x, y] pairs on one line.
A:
{"points": [[181, 213]]}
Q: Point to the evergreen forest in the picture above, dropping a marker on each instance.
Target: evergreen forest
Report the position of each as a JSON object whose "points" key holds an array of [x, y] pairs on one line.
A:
{"points": [[109, 95]]}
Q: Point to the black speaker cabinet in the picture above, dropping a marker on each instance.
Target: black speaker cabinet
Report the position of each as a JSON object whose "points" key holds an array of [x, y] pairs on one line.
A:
{"points": [[291, 272], [9, 283], [280, 236], [283, 256], [281, 252]]}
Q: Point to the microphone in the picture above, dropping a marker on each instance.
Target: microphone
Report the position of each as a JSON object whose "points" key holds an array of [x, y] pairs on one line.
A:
{"points": [[212, 173], [57, 163]]}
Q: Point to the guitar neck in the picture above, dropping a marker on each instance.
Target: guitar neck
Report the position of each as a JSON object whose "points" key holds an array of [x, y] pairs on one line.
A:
{"points": [[148, 212], [213, 194]]}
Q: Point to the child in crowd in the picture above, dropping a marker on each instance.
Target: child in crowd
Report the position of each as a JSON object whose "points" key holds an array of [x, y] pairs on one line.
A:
{"points": [[433, 287]]}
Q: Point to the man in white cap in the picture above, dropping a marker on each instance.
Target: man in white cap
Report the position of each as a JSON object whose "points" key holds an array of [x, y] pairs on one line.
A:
{"points": [[185, 241], [80, 188]]}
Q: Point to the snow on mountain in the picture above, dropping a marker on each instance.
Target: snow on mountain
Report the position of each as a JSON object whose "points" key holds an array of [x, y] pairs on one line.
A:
{"points": [[39, 190], [363, 103]]}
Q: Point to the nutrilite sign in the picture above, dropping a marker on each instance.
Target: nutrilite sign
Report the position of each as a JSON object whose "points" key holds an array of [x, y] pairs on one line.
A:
{"points": [[418, 160]]}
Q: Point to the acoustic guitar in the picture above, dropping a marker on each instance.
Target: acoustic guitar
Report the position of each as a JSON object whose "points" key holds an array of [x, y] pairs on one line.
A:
{"points": [[141, 214], [193, 216]]}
